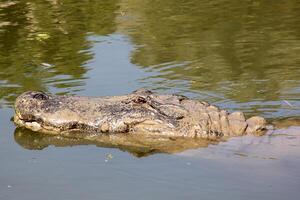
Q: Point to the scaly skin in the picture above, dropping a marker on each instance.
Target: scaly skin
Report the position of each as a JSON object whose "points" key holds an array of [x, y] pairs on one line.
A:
{"points": [[141, 112]]}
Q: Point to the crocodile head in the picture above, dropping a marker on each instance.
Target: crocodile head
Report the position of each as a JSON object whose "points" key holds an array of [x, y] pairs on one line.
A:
{"points": [[138, 112]]}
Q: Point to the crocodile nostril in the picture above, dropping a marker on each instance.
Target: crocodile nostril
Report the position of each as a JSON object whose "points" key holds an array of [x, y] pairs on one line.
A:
{"points": [[40, 96]]}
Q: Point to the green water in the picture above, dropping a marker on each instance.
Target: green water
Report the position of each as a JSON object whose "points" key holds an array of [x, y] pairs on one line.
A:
{"points": [[239, 55]]}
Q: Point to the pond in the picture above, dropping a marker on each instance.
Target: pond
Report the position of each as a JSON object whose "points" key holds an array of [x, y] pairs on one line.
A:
{"points": [[238, 55]]}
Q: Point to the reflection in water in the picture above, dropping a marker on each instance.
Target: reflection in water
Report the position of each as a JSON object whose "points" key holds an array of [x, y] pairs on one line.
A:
{"points": [[241, 55], [231, 52], [137, 146], [284, 138], [43, 44], [278, 144]]}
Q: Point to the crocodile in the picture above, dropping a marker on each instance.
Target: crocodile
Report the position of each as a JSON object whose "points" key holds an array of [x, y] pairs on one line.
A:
{"points": [[141, 112]]}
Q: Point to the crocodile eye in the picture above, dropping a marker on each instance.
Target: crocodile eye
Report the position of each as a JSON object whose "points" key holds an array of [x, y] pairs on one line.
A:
{"points": [[139, 100], [180, 97], [40, 96]]}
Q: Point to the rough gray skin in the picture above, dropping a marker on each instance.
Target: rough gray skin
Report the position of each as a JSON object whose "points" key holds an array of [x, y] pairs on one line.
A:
{"points": [[141, 112]]}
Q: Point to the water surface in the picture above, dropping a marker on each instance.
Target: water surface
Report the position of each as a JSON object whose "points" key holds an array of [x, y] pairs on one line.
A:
{"points": [[238, 55]]}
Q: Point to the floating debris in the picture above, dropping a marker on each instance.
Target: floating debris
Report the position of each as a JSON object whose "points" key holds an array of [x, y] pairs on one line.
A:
{"points": [[108, 157]]}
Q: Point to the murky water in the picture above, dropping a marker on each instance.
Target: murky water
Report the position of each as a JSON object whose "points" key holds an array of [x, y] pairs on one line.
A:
{"points": [[238, 55]]}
